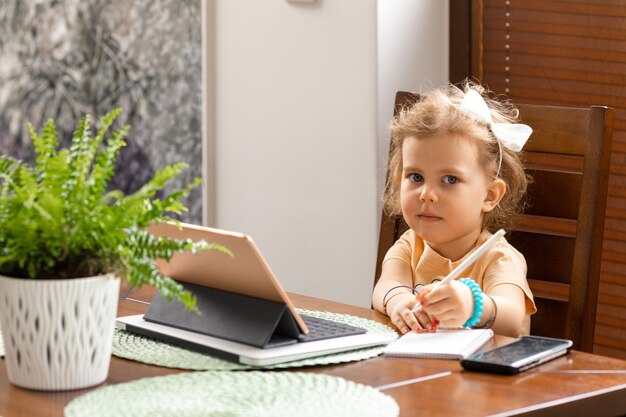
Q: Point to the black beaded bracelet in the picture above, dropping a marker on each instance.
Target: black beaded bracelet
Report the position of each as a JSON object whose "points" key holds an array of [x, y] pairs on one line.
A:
{"points": [[385, 301], [489, 323]]}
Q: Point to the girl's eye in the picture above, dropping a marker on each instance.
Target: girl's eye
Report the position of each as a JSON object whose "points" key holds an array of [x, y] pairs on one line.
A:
{"points": [[415, 177], [450, 179]]}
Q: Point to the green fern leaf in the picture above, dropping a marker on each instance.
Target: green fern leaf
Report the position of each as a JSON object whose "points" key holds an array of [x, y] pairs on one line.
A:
{"points": [[57, 220]]}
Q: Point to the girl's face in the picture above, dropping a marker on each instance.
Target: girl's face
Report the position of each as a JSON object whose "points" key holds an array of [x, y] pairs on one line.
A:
{"points": [[444, 192]]}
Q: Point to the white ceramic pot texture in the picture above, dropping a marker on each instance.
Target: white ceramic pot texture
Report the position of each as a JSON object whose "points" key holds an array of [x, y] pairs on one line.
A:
{"points": [[58, 334]]}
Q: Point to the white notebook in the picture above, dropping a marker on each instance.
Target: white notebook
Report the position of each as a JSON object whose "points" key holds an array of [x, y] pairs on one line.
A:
{"points": [[443, 344]]}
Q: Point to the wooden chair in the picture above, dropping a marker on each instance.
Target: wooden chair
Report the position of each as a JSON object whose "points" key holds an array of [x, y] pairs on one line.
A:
{"points": [[561, 231]]}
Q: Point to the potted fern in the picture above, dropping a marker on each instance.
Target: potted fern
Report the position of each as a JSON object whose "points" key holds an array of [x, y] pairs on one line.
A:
{"points": [[65, 243]]}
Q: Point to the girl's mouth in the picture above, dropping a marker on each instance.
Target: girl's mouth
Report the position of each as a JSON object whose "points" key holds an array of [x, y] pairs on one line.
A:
{"points": [[428, 217]]}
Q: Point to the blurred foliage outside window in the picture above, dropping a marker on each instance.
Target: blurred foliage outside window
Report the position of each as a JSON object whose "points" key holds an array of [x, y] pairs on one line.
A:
{"points": [[62, 59]]}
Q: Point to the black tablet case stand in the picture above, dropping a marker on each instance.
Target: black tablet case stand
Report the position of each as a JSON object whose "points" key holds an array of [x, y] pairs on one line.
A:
{"points": [[236, 317]]}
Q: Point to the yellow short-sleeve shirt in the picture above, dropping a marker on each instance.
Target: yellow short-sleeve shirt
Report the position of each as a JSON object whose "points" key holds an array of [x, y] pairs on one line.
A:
{"points": [[502, 264]]}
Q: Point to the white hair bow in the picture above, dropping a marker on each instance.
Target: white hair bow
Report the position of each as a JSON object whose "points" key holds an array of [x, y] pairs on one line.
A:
{"points": [[511, 136]]}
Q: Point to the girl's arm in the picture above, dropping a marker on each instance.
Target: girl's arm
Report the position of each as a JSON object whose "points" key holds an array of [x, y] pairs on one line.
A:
{"points": [[396, 302], [394, 273], [453, 304], [511, 301]]}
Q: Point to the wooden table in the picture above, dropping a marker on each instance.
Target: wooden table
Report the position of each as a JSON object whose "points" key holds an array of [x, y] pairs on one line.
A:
{"points": [[578, 384]]}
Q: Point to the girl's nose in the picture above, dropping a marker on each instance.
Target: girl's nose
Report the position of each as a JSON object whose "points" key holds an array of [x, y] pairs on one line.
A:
{"points": [[428, 194]]}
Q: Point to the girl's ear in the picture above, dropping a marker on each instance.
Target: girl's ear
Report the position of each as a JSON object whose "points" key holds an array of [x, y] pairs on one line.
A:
{"points": [[495, 193]]}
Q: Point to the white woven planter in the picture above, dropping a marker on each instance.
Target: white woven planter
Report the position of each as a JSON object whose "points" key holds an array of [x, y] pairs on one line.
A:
{"points": [[58, 333]]}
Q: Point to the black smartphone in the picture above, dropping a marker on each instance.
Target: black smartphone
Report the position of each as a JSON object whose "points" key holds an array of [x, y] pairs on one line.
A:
{"points": [[516, 357]]}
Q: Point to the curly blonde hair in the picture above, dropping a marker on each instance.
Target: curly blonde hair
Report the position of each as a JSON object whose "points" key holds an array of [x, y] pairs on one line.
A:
{"points": [[438, 112]]}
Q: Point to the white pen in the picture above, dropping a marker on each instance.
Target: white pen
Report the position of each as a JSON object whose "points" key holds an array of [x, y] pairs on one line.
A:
{"points": [[467, 262]]}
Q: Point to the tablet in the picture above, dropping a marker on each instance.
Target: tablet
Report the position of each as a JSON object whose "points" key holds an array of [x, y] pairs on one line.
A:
{"points": [[246, 273], [247, 315]]}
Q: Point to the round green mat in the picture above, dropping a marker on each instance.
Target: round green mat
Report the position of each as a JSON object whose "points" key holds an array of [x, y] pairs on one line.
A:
{"points": [[233, 394], [142, 349]]}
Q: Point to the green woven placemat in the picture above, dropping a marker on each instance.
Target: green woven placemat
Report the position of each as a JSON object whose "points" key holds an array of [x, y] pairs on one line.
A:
{"points": [[233, 394], [146, 350]]}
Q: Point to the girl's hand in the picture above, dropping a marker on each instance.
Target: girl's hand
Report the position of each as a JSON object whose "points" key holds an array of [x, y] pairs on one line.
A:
{"points": [[451, 305], [399, 310]]}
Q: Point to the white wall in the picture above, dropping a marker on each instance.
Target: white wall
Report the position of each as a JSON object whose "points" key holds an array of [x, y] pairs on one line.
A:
{"points": [[293, 153], [412, 56]]}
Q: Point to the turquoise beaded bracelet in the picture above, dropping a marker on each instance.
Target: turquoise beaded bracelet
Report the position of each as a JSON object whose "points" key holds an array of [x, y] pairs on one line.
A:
{"points": [[477, 293]]}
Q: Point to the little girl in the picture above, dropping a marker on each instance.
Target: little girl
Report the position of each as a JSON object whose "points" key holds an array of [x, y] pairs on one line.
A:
{"points": [[456, 176]]}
